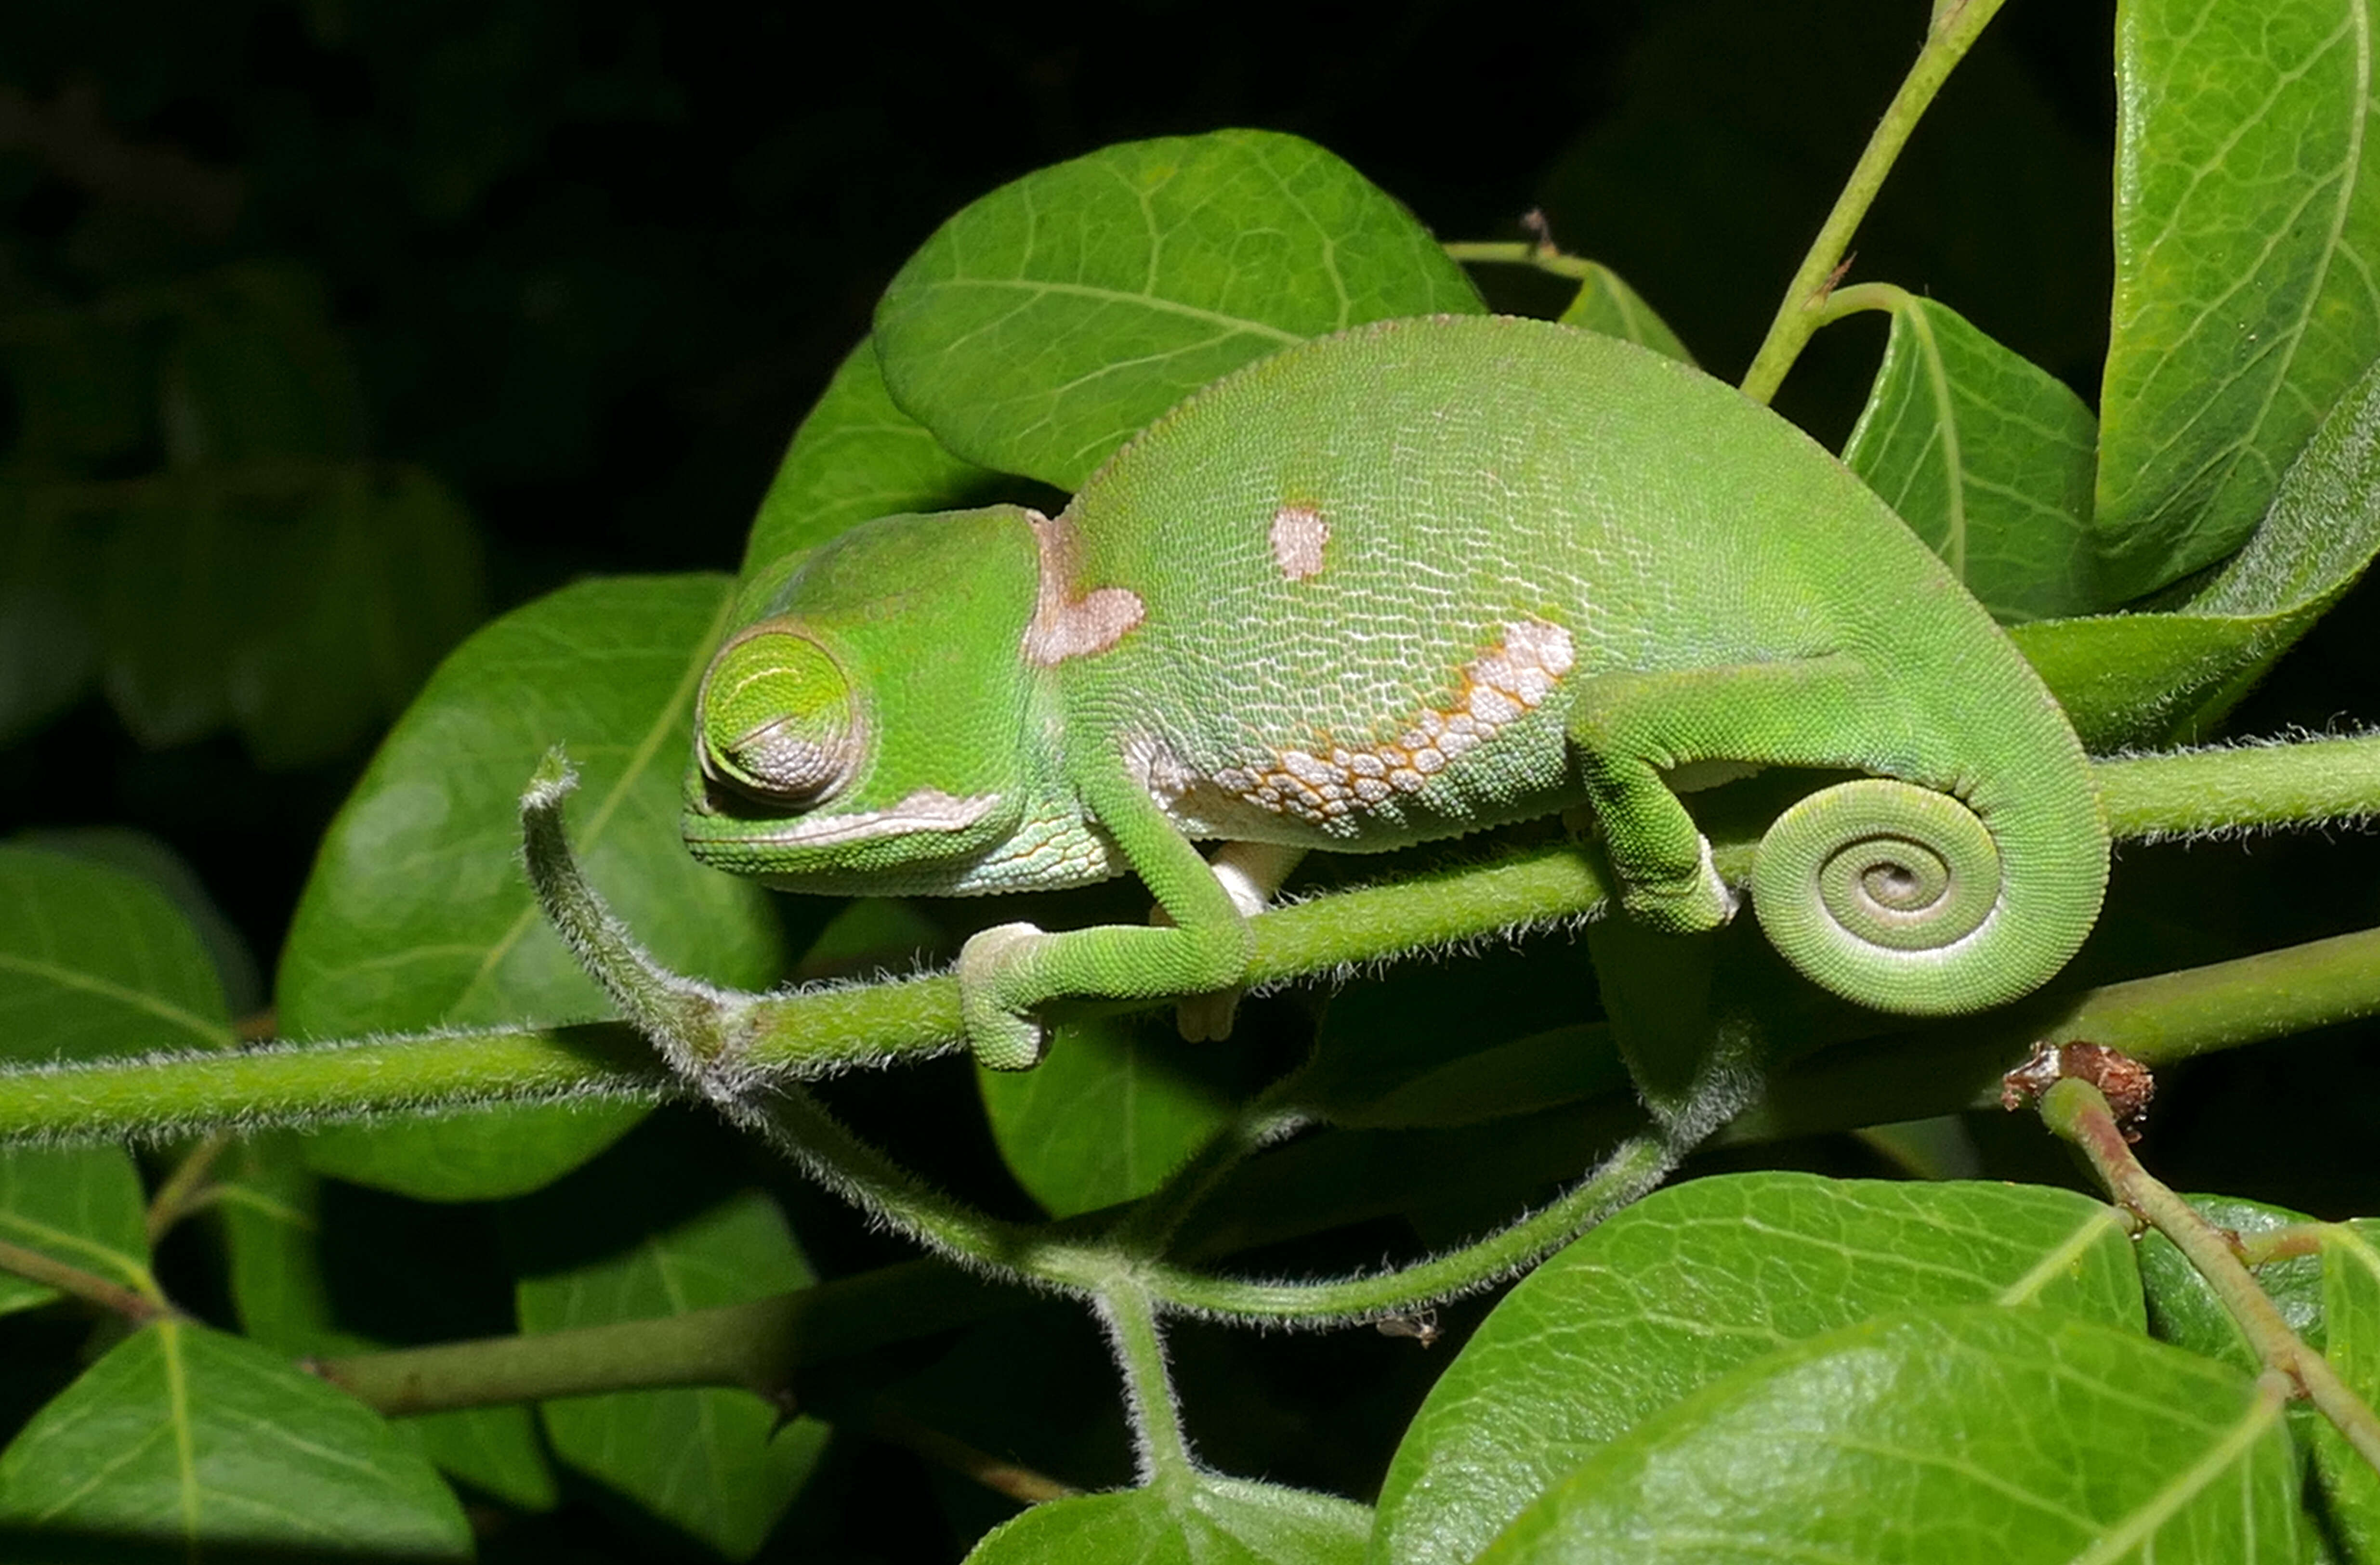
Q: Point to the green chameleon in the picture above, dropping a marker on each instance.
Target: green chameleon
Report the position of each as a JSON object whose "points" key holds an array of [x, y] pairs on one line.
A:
{"points": [[1409, 581]]}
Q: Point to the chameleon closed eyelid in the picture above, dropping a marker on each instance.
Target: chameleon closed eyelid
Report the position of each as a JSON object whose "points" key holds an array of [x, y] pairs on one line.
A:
{"points": [[776, 719]]}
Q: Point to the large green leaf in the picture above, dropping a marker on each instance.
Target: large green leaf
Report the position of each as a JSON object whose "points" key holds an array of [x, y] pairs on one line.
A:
{"points": [[2350, 1310], [1195, 1519], [267, 1203], [416, 915], [305, 603], [2247, 227], [93, 961], [1692, 1283], [187, 1437], [720, 1463], [2129, 679], [855, 456], [1048, 323], [1988, 458], [1115, 1108], [1957, 1437]]}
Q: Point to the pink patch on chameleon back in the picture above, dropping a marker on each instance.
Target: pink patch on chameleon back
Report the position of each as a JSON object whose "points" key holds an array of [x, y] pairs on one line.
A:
{"points": [[1298, 533], [1064, 624]]}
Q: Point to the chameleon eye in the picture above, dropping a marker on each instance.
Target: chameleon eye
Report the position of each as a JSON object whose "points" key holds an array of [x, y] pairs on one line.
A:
{"points": [[776, 718]]}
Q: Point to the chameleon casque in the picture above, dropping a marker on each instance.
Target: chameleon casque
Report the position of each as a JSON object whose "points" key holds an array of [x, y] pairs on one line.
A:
{"points": [[1408, 581]]}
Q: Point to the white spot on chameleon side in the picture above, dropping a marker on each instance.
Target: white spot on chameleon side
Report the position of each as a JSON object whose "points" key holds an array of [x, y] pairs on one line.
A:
{"points": [[1064, 626], [1318, 785], [1298, 533]]}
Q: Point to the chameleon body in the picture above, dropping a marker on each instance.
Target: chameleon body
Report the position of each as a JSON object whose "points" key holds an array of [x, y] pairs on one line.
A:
{"points": [[1405, 582]]}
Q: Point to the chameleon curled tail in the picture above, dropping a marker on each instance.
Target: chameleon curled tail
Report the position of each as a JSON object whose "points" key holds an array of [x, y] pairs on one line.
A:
{"points": [[1901, 898]]}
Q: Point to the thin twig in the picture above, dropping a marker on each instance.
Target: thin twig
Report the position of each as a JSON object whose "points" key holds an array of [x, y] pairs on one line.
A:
{"points": [[2076, 1111], [34, 1267]]}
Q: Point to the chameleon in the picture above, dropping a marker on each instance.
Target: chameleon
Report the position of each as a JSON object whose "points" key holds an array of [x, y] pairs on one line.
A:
{"points": [[1408, 581]]}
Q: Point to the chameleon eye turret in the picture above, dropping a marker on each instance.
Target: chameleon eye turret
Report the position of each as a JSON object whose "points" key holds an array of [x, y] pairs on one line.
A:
{"points": [[776, 720]]}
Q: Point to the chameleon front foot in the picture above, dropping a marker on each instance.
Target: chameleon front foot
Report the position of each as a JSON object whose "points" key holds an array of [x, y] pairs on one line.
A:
{"points": [[1693, 904], [1002, 1033]]}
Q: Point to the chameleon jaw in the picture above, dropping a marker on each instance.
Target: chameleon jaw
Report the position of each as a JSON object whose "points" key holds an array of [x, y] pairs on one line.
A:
{"points": [[927, 809]]}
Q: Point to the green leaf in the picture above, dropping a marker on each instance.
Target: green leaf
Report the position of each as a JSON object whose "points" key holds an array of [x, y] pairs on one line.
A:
{"points": [[255, 370], [268, 1202], [138, 853], [378, 580], [2129, 679], [856, 456], [2350, 1310], [1988, 458], [79, 1205], [306, 603], [1606, 303], [184, 1436], [2247, 226], [94, 961], [416, 915], [1117, 1106], [49, 650], [1195, 1519], [1987, 1436], [1697, 1280], [713, 1462], [81, 385], [1048, 323]]}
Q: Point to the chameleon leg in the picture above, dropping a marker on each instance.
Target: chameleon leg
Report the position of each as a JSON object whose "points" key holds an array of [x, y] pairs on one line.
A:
{"points": [[1006, 971], [1250, 873], [1628, 730]]}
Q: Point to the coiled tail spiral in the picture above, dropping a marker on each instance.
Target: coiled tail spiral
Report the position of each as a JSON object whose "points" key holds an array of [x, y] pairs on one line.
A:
{"points": [[1899, 897]]}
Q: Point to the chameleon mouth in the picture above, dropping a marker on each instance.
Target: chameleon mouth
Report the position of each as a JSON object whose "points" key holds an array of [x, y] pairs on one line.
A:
{"points": [[927, 809]]}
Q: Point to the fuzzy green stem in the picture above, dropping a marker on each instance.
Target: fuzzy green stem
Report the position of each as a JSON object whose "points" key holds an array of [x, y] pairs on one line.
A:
{"points": [[2077, 1113], [1641, 1163], [1954, 31], [819, 1031], [757, 1346], [2236, 787], [136, 1304], [1150, 1402], [1153, 1220]]}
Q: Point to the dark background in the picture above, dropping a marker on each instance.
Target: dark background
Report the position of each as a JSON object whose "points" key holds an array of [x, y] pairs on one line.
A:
{"points": [[588, 264]]}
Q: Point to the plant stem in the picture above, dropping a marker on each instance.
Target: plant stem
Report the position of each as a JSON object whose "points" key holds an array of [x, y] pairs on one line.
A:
{"points": [[1641, 1163], [1954, 29], [185, 1189], [1521, 253], [2235, 787], [757, 1346], [1017, 1482], [817, 1031], [2077, 1113], [136, 1306], [1130, 1323]]}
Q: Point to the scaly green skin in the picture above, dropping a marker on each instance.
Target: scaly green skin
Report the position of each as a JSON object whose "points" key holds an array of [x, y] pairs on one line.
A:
{"points": [[1398, 584]]}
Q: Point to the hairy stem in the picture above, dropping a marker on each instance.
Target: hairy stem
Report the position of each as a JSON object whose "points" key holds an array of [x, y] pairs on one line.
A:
{"points": [[2075, 1111], [1140, 1346], [757, 1346], [1641, 1163], [819, 1031], [1954, 31]]}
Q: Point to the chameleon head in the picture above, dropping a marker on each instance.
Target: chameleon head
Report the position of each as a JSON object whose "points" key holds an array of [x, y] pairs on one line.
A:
{"points": [[867, 730]]}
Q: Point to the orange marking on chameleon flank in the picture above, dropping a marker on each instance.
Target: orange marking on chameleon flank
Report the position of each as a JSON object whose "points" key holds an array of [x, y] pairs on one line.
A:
{"points": [[1318, 785]]}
